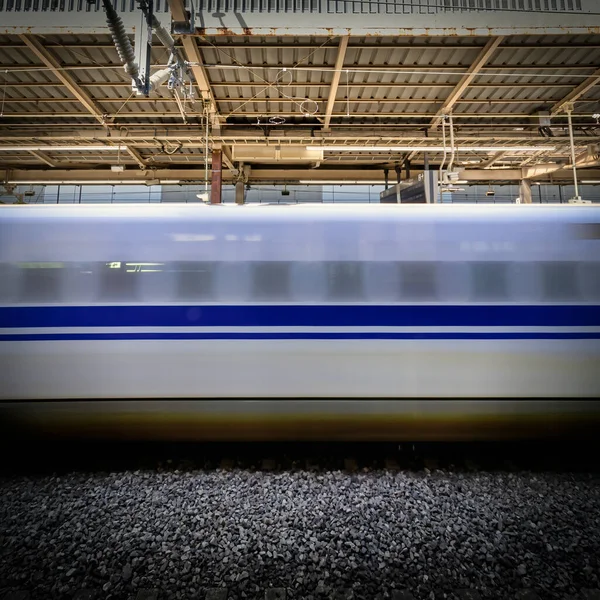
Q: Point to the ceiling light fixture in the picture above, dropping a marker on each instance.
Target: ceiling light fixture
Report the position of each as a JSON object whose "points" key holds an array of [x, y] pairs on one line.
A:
{"points": [[95, 182], [63, 148], [338, 182]]}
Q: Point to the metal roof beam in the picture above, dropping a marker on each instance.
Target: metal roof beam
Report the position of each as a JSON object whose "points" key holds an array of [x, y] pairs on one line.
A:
{"points": [[575, 94], [52, 63], [139, 159], [317, 176], [269, 100], [192, 53], [488, 163], [178, 12], [238, 45], [483, 57], [238, 84], [228, 159], [536, 171], [335, 81], [43, 157], [458, 69]]}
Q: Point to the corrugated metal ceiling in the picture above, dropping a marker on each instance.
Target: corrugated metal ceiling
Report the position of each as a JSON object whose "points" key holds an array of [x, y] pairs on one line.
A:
{"points": [[388, 85]]}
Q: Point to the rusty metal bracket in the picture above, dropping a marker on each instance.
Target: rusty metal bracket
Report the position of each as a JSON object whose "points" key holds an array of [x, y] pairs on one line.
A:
{"points": [[189, 25]]}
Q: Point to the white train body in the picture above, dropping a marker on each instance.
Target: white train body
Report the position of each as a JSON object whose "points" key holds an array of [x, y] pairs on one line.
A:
{"points": [[301, 321]]}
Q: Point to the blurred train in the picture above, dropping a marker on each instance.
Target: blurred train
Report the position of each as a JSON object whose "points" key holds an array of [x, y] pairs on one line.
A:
{"points": [[257, 322]]}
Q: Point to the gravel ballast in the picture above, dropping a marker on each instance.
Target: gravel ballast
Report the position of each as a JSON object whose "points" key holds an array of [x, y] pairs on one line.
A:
{"points": [[313, 533]]}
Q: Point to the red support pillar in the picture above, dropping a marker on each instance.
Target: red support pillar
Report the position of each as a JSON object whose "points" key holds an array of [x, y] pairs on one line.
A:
{"points": [[215, 185]]}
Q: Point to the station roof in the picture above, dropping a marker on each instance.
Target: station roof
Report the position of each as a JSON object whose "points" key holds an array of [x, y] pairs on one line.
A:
{"points": [[326, 108]]}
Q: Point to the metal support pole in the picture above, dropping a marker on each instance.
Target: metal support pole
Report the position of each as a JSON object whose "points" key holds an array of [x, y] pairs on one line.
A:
{"points": [[143, 48], [215, 184], [569, 111], [239, 191]]}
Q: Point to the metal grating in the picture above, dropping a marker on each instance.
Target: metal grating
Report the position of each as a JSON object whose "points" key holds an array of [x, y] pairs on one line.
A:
{"points": [[385, 6], [513, 5], [306, 6], [78, 6]]}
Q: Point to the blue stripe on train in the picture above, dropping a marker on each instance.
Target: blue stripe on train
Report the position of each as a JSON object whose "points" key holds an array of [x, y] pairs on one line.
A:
{"points": [[35, 337], [301, 316]]}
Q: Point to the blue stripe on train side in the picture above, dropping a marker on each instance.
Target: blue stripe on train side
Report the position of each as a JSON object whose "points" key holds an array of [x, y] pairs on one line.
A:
{"points": [[54, 337], [301, 316]]}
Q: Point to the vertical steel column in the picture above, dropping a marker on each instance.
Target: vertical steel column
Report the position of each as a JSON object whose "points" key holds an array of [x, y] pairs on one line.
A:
{"points": [[239, 192], [215, 184]]}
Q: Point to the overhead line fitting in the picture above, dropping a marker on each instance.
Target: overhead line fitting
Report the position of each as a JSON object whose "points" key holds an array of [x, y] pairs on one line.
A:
{"points": [[176, 68], [122, 43]]}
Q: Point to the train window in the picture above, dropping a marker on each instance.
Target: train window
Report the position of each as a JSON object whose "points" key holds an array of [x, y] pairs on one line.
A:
{"points": [[7, 282], [81, 282], [559, 280], [587, 231], [195, 280], [417, 280], [233, 281], [308, 281], [40, 282], [590, 280], [271, 280], [344, 280], [118, 282], [381, 281], [489, 280]]}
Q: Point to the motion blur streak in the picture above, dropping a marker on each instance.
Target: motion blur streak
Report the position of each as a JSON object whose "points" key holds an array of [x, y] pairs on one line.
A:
{"points": [[300, 322]]}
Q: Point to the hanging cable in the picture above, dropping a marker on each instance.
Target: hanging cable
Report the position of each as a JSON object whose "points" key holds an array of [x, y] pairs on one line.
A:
{"points": [[444, 143], [206, 116], [573, 159], [450, 124]]}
